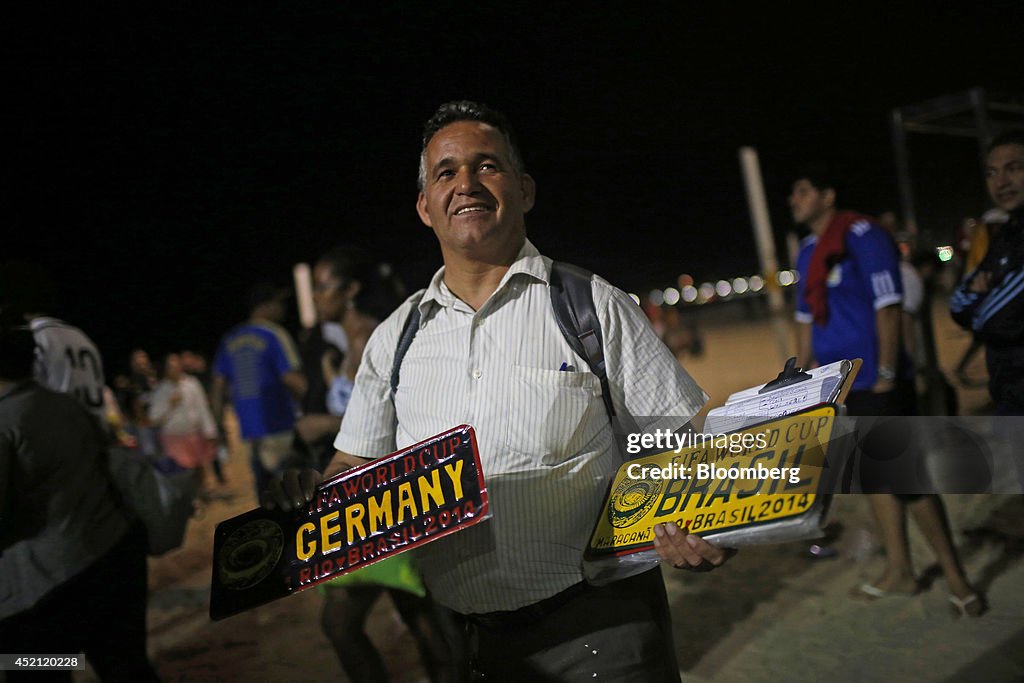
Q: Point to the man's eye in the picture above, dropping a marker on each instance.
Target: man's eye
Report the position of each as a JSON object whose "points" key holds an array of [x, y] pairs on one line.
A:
{"points": [[446, 173], [488, 167]]}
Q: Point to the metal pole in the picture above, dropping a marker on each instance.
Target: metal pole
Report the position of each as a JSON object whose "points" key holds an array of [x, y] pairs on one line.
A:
{"points": [[934, 393], [983, 125], [765, 241], [899, 146]]}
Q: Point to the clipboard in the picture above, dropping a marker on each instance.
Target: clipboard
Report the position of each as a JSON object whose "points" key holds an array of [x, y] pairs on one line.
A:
{"points": [[621, 544], [792, 391], [769, 493]]}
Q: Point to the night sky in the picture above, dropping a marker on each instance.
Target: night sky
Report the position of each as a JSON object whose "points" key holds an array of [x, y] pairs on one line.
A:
{"points": [[160, 163]]}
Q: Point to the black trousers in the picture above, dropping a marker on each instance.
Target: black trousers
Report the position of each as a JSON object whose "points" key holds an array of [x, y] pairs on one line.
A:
{"points": [[618, 632], [100, 611], [1006, 378], [899, 401]]}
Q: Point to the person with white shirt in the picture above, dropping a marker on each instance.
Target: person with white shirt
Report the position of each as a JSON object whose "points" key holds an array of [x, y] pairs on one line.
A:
{"points": [[179, 407], [489, 353]]}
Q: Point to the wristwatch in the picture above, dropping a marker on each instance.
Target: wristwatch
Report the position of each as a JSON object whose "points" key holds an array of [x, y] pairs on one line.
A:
{"points": [[886, 373]]}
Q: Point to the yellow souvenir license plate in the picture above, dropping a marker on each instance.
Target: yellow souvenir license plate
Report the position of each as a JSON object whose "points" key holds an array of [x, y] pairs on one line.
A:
{"points": [[758, 478]]}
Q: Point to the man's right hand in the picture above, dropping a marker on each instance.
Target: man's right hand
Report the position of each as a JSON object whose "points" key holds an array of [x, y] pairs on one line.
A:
{"points": [[291, 489], [980, 282]]}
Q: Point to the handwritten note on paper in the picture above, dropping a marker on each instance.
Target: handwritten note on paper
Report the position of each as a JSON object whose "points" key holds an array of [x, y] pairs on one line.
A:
{"points": [[749, 407]]}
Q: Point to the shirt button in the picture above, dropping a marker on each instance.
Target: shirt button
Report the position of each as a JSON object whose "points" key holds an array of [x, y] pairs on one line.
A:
{"points": [[478, 322], [477, 374]]}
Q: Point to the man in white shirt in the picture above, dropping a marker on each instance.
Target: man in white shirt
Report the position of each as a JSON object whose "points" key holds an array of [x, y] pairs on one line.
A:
{"points": [[489, 353]]}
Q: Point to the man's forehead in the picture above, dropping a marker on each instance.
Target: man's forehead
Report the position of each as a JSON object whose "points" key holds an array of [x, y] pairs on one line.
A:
{"points": [[1006, 153], [471, 137], [323, 271]]}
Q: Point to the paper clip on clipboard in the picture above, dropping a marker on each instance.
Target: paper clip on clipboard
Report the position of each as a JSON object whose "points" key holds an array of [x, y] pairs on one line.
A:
{"points": [[790, 374]]}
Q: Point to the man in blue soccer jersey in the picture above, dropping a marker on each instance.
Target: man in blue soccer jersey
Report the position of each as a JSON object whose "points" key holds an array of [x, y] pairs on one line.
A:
{"points": [[849, 306], [990, 300], [259, 362], [849, 295]]}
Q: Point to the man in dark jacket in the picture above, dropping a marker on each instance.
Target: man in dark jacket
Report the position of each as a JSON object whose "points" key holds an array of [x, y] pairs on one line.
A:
{"points": [[72, 561], [990, 300]]}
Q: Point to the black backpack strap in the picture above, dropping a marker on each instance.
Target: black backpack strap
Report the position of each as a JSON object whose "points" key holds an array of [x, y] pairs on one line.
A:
{"points": [[573, 302], [409, 330]]}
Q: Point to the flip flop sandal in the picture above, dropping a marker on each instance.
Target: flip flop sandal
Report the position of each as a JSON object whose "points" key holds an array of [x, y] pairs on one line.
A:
{"points": [[972, 606], [868, 591]]}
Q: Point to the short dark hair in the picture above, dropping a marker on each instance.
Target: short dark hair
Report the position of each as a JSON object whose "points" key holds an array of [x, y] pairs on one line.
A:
{"points": [[1007, 137], [466, 110], [343, 262], [822, 176], [266, 292], [381, 289]]}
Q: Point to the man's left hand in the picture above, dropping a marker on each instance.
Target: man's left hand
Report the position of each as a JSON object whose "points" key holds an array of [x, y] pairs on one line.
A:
{"points": [[684, 550]]}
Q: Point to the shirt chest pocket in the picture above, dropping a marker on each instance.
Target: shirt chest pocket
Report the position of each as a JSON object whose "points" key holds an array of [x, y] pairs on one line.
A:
{"points": [[552, 414]]}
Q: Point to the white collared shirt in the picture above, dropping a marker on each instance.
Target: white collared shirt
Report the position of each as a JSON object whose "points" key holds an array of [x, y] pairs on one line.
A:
{"points": [[545, 441]]}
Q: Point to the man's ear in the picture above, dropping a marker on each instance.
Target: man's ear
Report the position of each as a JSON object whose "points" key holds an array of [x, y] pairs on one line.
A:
{"points": [[529, 191], [421, 209], [352, 289], [829, 197]]}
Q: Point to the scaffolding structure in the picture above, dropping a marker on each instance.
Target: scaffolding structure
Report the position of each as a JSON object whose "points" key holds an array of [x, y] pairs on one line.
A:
{"points": [[971, 114]]}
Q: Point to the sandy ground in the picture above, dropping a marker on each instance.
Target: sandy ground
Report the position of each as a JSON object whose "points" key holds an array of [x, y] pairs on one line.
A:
{"points": [[774, 613]]}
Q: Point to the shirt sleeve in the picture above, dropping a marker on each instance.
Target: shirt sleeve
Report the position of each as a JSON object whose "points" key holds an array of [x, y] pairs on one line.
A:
{"points": [[645, 380], [878, 263], [963, 303], [286, 356], [975, 310]]}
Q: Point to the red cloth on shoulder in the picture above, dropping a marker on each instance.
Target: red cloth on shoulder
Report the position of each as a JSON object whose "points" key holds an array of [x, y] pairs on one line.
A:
{"points": [[829, 250]]}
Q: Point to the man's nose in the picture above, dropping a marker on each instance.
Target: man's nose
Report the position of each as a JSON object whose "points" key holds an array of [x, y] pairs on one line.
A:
{"points": [[467, 181]]}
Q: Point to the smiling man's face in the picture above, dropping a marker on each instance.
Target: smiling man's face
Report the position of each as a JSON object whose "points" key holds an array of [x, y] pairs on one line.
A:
{"points": [[1004, 175], [473, 197]]}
